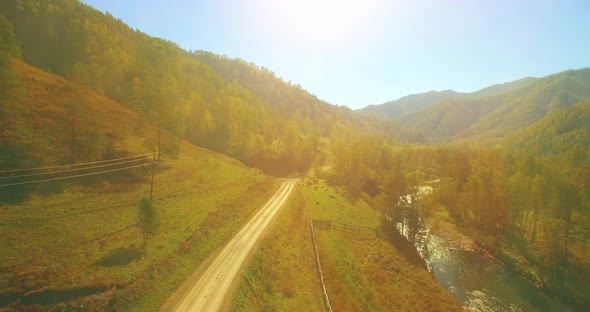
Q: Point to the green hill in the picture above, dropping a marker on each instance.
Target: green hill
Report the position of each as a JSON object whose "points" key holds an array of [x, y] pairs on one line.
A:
{"points": [[530, 104], [292, 100], [76, 241], [225, 105], [415, 103], [501, 88], [498, 115], [407, 104], [79, 88], [557, 133]]}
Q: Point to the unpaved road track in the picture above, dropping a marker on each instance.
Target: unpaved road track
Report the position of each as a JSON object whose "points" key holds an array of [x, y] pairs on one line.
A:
{"points": [[212, 289]]}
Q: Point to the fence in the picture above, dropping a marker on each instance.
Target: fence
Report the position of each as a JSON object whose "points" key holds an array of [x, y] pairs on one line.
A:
{"points": [[317, 257], [329, 225]]}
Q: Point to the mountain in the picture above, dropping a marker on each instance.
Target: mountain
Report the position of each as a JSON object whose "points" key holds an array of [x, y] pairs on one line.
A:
{"points": [[559, 132], [499, 115], [530, 104], [54, 121], [229, 106], [407, 104], [292, 100], [394, 110], [81, 234], [502, 87]]}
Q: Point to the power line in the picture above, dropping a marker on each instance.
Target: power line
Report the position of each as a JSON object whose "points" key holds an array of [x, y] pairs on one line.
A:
{"points": [[70, 170], [77, 176], [235, 156], [75, 165]]}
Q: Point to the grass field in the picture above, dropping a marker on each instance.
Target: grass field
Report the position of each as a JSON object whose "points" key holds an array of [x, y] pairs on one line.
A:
{"points": [[86, 238], [282, 275], [79, 247], [362, 272]]}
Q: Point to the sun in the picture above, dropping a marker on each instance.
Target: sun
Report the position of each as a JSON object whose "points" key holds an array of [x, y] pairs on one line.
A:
{"points": [[318, 19]]}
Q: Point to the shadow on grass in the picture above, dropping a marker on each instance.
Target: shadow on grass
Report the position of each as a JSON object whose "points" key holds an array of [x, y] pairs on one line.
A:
{"points": [[120, 257], [7, 298], [49, 297]]}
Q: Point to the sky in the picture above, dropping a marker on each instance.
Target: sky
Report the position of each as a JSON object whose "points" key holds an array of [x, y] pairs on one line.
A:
{"points": [[361, 52]]}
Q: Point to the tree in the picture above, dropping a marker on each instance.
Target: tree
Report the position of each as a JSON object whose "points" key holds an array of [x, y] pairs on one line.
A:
{"points": [[519, 196], [15, 134], [148, 219], [8, 42]]}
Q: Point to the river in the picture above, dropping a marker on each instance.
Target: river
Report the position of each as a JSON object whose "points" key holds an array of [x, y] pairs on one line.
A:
{"points": [[480, 282], [483, 284]]}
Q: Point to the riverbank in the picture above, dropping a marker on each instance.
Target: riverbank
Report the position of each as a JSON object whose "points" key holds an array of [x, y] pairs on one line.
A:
{"points": [[460, 241], [362, 271], [480, 280]]}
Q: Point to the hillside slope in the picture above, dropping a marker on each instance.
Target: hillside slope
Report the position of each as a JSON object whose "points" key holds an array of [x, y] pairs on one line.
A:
{"points": [[415, 103], [78, 242], [406, 105], [557, 133], [532, 103], [499, 115], [501, 88], [197, 100], [292, 100], [59, 122]]}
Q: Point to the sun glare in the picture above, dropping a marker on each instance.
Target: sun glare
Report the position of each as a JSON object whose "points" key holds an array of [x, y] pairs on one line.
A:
{"points": [[319, 19]]}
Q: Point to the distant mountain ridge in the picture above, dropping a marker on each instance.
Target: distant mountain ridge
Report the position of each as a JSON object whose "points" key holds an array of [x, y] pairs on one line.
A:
{"points": [[558, 132], [413, 103], [229, 106], [499, 115], [406, 105], [503, 87]]}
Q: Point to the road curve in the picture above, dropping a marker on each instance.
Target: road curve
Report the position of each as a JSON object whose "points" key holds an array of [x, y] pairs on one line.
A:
{"points": [[210, 291]]}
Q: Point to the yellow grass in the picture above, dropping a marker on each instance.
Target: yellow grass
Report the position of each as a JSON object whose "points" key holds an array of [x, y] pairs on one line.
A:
{"points": [[85, 237], [362, 272]]}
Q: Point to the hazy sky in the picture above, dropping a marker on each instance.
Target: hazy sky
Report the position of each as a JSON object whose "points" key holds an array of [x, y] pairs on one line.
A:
{"points": [[360, 52]]}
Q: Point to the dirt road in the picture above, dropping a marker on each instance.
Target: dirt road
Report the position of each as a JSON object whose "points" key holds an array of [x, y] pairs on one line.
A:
{"points": [[213, 288]]}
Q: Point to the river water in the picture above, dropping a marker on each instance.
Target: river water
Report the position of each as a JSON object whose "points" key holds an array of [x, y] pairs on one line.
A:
{"points": [[481, 283]]}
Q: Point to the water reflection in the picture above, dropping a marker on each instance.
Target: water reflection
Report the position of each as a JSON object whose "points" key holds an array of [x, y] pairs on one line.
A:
{"points": [[481, 283]]}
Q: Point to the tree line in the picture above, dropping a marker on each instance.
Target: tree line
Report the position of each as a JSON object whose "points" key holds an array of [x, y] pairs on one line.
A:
{"points": [[530, 209], [223, 104]]}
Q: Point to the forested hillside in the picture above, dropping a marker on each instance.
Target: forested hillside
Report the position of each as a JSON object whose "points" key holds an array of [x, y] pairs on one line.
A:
{"points": [[508, 164], [226, 105], [501, 88], [415, 103], [407, 104], [76, 236], [292, 100], [498, 115], [557, 133]]}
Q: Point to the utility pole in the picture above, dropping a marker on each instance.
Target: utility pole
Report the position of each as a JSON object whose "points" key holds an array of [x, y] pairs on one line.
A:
{"points": [[73, 136], [152, 184], [159, 136]]}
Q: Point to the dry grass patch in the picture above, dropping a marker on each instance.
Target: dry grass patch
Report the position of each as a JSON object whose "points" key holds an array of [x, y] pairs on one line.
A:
{"points": [[363, 272]]}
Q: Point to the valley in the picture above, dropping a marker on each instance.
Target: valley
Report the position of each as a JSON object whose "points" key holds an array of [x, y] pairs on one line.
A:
{"points": [[141, 174]]}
